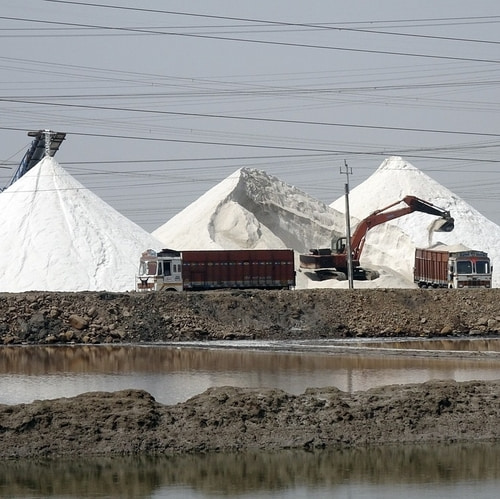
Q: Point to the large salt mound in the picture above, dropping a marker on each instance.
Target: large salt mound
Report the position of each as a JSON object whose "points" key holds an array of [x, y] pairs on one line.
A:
{"points": [[59, 236], [250, 209], [393, 243]]}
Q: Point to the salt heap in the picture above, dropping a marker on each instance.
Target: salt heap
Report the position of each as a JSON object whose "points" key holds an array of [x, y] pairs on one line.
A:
{"points": [[393, 243], [59, 236], [250, 209]]}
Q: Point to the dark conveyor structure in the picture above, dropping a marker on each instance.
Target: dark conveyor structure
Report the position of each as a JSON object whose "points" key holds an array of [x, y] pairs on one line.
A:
{"points": [[45, 143]]}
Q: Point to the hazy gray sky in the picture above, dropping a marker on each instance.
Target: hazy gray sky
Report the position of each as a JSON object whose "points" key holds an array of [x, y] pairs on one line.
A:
{"points": [[161, 100]]}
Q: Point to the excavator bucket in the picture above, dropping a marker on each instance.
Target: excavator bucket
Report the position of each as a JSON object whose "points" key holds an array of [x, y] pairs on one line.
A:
{"points": [[443, 225]]}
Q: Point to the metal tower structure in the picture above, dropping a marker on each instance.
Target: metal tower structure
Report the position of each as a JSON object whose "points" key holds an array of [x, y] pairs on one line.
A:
{"points": [[45, 143]]}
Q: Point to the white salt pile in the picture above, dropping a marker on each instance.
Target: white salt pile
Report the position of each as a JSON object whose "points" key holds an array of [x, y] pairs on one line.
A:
{"points": [[250, 209], [59, 236], [393, 243]]}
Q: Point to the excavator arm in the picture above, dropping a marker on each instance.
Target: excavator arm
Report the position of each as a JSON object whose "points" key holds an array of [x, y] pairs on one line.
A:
{"points": [[323, 260], [381, 216]]}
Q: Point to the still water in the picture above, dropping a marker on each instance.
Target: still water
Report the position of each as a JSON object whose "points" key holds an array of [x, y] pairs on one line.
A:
{"points": [[454, 472], [173, 373]]}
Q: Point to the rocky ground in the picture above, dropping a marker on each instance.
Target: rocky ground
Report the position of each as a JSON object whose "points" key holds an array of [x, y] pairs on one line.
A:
{"points": [[132, 422], [51, 318]]}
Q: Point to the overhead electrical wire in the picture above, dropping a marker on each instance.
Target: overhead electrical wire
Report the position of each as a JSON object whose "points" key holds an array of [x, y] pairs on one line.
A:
{"points": [[256, 41], [250, 118], [145, 30], [259, 146], [297, 155], [415, 22]]}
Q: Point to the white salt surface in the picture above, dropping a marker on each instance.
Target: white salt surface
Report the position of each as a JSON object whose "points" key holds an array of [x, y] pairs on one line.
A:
{"points": [[250, 209], [59, 236]]}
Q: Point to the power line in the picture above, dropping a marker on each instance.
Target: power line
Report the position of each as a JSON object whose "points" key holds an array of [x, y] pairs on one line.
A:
{"points": [[279, 23], [268, 91], [314, 152], [251, 118], [302, 26], [249, 40]]}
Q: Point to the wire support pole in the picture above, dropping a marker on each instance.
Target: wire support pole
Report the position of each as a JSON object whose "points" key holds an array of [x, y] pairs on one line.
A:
{"points": [[347, 170]]}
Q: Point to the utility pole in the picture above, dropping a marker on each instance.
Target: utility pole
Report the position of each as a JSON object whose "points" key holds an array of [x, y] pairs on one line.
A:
{"points": [[347, 171]]}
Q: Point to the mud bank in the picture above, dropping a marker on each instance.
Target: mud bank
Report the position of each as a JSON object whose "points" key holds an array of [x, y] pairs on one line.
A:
{"points": [[235, 419]]}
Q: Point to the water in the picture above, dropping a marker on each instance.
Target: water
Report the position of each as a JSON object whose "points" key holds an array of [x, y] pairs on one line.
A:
{"points": [[173, 373], [457, 471]]}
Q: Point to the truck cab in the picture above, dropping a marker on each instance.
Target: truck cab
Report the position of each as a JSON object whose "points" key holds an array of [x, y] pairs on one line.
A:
{"points": [[469, 269], [457, 266], [160, 271]]}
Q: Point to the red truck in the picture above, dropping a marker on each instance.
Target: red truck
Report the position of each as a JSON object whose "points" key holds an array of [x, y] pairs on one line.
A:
{"points": [[171, 270], [452, 267]]}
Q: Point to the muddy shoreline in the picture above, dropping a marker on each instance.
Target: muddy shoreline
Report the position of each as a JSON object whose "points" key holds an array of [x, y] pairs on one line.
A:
{"points": [[131, 422]]}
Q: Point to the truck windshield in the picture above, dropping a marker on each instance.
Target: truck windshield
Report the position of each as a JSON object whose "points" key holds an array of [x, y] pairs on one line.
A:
{"points": [[147, 268], [482, 267], [464, 267]]}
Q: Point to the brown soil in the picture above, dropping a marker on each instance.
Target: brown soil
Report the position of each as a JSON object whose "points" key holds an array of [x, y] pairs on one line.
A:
{"points": [[236, 419], [50, 318], [132, 422]]}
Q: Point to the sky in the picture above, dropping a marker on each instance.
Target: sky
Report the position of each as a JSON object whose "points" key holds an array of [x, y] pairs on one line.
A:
{"points": [[163, 101]]}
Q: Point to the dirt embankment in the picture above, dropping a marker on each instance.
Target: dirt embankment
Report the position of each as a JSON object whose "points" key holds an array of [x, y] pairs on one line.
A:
{"points": [[132, 422], [236, 419], [48, 318]]}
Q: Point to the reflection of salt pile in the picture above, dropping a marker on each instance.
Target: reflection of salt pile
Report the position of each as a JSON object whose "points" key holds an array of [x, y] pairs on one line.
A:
{"points": [[58, 236], [393, 244]]}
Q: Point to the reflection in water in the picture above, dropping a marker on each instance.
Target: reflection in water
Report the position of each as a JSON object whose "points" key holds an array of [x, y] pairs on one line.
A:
{"points": [[173, 374], [255, 474], [106, 359], [445, 345]]}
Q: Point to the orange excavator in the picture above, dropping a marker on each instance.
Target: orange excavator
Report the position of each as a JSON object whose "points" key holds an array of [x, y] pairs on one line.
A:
{"points": [[332, 262]]}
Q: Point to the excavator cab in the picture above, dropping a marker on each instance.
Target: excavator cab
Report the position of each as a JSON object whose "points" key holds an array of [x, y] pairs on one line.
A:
{"points": [[340, 245]]}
